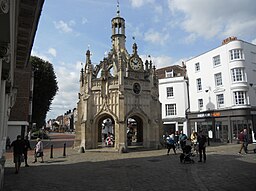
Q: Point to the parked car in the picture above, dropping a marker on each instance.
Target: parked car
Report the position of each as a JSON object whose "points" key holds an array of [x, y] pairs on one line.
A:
{"points": [[38, 134]]}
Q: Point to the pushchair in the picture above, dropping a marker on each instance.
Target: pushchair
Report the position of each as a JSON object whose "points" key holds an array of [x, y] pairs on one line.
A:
{"points": [[187, 155]]}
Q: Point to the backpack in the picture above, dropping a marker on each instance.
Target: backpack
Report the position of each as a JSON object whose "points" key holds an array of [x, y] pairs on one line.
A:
{"points": [[170, 141], [183, 137]]}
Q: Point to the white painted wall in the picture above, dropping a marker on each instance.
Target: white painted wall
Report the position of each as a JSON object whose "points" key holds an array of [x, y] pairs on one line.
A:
{"points": [[207, 71], [179, 98]]}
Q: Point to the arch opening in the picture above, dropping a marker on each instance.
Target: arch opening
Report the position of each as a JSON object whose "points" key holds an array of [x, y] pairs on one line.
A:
{"points": [[134, 131], [106, 131]]}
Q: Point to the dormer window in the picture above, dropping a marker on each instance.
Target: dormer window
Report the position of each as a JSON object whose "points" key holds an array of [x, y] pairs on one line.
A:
{"points": [[169, 74]]}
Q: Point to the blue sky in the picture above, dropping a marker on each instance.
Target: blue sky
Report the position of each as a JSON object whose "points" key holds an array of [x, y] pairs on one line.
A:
{"points": [[170, 31]]}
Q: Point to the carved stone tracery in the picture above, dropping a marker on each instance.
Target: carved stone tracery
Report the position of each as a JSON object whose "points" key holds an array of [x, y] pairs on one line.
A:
{"points": [[4, 6]]}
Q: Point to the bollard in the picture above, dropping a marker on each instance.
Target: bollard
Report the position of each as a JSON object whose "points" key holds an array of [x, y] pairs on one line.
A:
{"points": [[81, 150], [64, 150], [51, 156]]}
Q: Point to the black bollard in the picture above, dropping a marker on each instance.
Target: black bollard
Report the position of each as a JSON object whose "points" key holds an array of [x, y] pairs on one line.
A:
{"points": [[64, 150], [51, 152]]}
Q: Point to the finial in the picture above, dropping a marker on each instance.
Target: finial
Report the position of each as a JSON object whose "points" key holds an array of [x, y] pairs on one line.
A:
{"points": [[118, 10], [134, 47], [134, 40]]}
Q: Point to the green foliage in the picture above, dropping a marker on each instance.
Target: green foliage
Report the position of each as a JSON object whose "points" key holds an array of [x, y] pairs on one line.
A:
{"points": [[45, 88]]}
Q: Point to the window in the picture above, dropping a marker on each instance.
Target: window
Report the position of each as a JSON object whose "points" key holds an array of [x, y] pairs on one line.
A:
{"points": [[216, 60], [169, 91], [240, 98], [169, 74], [220, 100], [197, 67], [236, 54], [199, 84], [218, 79], [170, 109], [200, 104], [237, 75]]}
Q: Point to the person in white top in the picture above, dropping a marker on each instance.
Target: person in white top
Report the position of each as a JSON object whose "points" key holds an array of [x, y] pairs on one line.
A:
{"points": [[39, 150]]}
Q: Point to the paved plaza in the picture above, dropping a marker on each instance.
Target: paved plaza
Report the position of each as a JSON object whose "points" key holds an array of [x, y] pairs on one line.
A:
{"points": [[136, 170]]}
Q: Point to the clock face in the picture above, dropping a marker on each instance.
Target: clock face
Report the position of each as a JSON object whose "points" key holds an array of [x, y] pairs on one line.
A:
{"points": [[135, 64], [136, 88]]}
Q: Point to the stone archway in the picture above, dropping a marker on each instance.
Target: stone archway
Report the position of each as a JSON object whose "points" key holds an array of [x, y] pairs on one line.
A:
{"points": [[105, 131], [134, 131]]}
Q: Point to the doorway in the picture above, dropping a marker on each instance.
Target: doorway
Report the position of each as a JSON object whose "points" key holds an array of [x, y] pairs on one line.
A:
{"points": [[106, 132], [134, 131]]}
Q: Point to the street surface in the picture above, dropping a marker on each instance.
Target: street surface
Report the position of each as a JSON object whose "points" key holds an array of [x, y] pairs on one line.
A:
{"points": [[57, 140], [137, 170]]}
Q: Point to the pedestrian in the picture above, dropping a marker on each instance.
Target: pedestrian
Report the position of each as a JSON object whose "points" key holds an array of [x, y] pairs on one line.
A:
{"points": [[182, 139], [176, 139], [201, 139], [18, 147], [194, 143], [241, 141], [246, 141], [39, 150], [25, 151], [170, 143], [8, 143]]}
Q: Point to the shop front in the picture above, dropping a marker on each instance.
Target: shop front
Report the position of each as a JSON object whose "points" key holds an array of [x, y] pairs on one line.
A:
{"points": [[223, 125]]}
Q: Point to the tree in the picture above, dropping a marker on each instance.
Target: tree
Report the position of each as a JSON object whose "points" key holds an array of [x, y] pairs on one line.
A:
{"points": [[45, 88]]}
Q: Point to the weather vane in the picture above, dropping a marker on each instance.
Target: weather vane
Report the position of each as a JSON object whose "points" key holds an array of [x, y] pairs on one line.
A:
{"points": [[118, 11], [133, 38]]}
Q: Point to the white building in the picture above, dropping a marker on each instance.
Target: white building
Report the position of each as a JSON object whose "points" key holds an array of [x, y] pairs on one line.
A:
{"points": [[222, 90], [173, 95]]}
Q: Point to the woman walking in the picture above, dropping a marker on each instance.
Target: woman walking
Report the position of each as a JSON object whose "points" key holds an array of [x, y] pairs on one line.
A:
{"points": [[39, 150]]}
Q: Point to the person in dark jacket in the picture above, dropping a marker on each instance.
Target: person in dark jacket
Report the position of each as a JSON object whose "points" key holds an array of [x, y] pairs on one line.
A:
{"points": [[18, 147], [25, 151], [202, 146]]}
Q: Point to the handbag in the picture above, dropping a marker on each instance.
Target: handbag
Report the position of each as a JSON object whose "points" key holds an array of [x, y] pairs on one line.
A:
{"points": [[21, 158], [38, 154]]}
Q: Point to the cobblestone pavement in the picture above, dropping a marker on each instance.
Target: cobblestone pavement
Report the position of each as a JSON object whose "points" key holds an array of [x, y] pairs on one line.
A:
{"points": [[135, 171]]}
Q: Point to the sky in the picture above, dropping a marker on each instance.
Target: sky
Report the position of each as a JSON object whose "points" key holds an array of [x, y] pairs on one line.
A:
{"points": [[170, 31]]}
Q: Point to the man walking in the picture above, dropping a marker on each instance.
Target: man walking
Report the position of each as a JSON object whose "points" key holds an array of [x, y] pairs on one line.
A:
{"points": [[18, 147], [202, 146]]}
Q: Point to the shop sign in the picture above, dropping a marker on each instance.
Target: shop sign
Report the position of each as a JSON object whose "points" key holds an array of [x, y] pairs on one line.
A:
{"points": [[204, 115], [216, 114]]}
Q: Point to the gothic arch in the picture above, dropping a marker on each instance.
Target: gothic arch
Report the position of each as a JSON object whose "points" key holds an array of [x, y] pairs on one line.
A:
{"points": [[139, 129], [97, 126]]}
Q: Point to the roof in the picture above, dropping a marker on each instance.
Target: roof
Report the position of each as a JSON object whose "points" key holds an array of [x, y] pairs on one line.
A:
{"points": [[29, 12]]}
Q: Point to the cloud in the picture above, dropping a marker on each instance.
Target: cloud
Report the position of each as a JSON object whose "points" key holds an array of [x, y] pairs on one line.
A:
{"points": [[156, 37], [155, 6], [84, 20], [63, 26], [160, 61], [52, 52], [40, 55], [68, 83], [215, 18], [137, 3], [254, 41]]}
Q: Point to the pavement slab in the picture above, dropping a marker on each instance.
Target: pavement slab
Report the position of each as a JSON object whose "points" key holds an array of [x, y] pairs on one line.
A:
{"points": [[137, 170]]}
